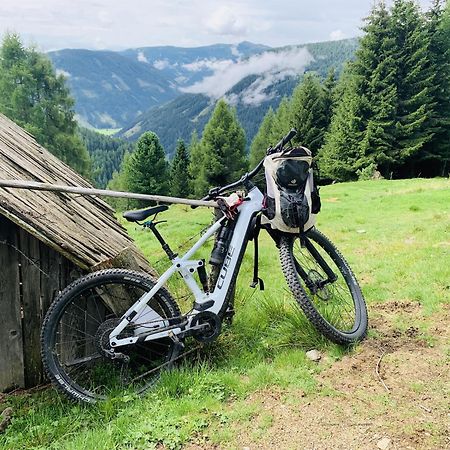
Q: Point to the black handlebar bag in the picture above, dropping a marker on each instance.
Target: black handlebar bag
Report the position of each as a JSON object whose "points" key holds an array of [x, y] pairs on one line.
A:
{"points": [[292, 199]]}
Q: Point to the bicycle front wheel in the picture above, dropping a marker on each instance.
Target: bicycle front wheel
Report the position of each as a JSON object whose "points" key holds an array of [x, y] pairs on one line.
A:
{"points": [[324, 286], [75, 336]]}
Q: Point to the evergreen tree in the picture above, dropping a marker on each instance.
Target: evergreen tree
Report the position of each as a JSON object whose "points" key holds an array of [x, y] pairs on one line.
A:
{"points": [[197, 178], [308, 113], [340, 154], [262, 140], [376, 71], [146, 169], [106, 154], [387, 120], [435, 157], [281, 121], [414, 83], [223, 143], [179, 175], [329, 91], [38, 100], [118, 183]]}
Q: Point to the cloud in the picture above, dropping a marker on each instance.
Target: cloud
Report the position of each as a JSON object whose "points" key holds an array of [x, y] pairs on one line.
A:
{"points": [[223, 21], [272, 66], [210, 64], [235, 51], [161, 64], [257, 93], [141, 57], [337, 35], [63, 72]]}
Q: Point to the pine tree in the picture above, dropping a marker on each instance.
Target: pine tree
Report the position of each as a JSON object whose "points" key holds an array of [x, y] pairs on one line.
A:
{"points": [[118, 183], [37, 99], [338, 158], [376, 71], [223, 143], [435, 157], [179, 175], [387, 120], [146, 169], [262, 140], [414, 83], [308, 113], [329, 91], [281, 121], [198, 185]]}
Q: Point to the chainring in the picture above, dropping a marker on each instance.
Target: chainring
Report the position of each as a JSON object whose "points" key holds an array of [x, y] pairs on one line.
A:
{"points": [[212, 331]]}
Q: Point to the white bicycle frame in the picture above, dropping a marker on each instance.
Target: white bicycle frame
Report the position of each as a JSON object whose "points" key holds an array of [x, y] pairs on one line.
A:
{"points": [[141, 314]]}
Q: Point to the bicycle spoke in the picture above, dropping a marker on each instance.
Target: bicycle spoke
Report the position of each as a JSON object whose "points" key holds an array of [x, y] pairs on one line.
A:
{"points": [[82, 332], [333, 300]]}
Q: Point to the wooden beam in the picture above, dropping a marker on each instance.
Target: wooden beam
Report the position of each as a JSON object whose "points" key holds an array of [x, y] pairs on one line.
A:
{"points": [[19, 184]]}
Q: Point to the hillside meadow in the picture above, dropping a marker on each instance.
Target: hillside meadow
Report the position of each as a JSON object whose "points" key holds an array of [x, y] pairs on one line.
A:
{"points": [[255, 387]]}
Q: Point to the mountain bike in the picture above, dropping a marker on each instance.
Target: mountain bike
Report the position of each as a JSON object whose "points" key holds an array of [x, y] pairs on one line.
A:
{"points": [[116, 330]]}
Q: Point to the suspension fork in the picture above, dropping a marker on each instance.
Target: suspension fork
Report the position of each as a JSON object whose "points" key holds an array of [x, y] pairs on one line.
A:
{"points": [[305, 242], [332, 277]]}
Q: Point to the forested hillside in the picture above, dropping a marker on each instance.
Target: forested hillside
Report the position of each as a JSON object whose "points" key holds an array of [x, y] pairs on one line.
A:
{"points": [[106, 153], [181, 116], [112, 88]]}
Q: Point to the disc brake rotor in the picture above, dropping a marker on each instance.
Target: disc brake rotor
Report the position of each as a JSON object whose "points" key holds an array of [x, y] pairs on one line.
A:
{"points": [[322, 291]]}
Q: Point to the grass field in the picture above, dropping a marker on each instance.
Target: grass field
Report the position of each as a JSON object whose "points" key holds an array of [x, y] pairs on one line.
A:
{"points": [[395, 235], [107, 131]]}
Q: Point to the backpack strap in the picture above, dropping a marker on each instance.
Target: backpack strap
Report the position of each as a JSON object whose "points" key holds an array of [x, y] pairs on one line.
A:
{"points": [[256, 279]]}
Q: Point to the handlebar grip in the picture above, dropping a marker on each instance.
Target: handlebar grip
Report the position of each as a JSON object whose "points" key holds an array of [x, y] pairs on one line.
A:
{"points": [[286, 139], [289, 136]]}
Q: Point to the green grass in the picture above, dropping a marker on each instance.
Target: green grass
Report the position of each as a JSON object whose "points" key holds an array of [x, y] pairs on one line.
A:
{"points": [[107, 131], [393, 233]]}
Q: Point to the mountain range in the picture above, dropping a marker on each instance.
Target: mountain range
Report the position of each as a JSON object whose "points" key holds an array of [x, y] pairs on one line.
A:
{"points": [[173, 90], [112, 88]]}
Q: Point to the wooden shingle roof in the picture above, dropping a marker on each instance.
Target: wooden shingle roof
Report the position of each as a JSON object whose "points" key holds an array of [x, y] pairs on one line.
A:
{"points": [[82, 228]]}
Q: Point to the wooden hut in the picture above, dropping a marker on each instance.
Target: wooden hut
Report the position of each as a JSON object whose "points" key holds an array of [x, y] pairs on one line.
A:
{"points": [[47, 240]]}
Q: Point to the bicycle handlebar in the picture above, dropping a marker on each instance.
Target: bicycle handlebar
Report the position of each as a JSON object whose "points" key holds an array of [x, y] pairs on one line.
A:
{"points": [[214, 192], [285, 140]]}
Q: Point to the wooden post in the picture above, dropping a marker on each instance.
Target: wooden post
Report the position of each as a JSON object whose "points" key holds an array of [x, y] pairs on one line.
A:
{"points": [[19, 184], [11, 344]]}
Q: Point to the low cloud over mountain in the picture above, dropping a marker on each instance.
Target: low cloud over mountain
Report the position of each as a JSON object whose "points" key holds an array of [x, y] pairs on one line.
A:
{"points": [[272, 65]]}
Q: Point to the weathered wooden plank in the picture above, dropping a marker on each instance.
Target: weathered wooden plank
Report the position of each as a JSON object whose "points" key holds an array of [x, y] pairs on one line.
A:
{"points": [[50, 276], [31, 305], [11, 345], [42, 237]]}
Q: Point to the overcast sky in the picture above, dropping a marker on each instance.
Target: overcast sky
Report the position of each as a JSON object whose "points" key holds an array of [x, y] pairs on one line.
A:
{"points": [[120, 24]]}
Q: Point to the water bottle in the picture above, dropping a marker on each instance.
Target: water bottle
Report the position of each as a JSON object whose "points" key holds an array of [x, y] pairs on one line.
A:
{"points": [[221, 246]]}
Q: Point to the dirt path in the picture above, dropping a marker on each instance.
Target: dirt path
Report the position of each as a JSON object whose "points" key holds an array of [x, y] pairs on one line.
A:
{"points": [[391, 393]]}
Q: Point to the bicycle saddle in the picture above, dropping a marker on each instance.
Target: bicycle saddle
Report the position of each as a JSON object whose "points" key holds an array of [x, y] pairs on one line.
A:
{"points": [[142, 214]]}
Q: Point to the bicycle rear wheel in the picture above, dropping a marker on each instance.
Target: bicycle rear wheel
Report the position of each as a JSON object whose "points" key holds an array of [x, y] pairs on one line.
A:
{"points": [[75, 336], [324, 286]]}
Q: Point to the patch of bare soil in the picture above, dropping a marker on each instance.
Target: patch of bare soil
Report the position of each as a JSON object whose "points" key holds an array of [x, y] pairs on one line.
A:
{"points": [[392, 392]]}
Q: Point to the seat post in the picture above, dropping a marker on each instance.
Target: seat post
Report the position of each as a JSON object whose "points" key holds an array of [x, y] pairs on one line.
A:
{"points": [[164, 244]]}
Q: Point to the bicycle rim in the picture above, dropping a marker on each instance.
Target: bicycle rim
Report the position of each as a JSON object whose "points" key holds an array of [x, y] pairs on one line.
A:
{"points": [[77, 340], [335, 296]]}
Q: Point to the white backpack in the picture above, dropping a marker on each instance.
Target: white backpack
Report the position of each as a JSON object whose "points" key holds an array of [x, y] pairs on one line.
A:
{"points": [[292, 199]]}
